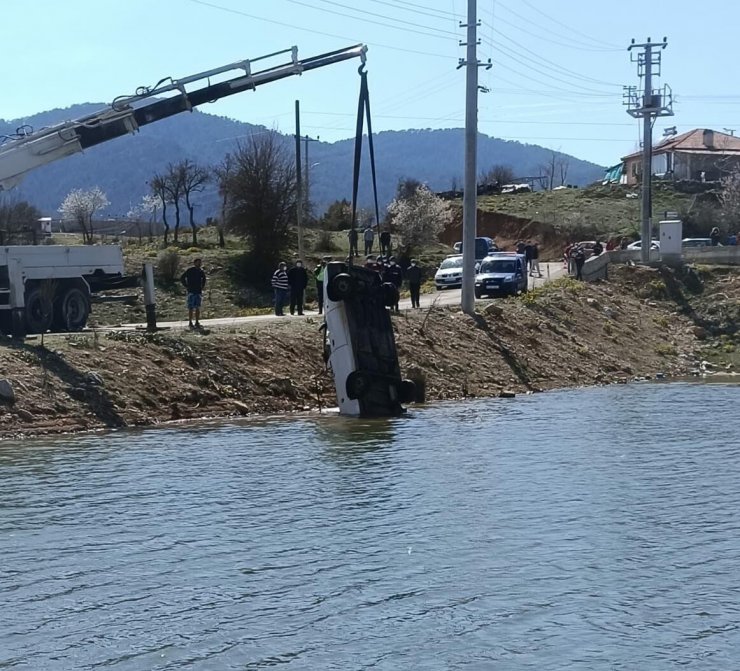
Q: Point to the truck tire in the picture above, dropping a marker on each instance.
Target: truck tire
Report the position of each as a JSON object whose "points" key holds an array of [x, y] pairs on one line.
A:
{"points": [[39, 311], [71, 310], [341, 287], [357, 384]]}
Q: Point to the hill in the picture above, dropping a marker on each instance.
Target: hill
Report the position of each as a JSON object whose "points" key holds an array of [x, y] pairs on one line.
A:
{"points": [[122, 167]]}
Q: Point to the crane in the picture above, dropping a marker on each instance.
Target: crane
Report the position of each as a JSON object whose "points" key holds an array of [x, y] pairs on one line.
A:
{"points": [[27, 150]]}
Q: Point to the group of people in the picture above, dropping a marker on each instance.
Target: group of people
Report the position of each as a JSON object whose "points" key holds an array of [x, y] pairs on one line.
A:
{"points": [[368, 237], [390, 271], [531, 252]]}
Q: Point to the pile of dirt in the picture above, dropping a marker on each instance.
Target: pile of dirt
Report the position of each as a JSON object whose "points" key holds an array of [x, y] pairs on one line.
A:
{"points": [[563, 334]]}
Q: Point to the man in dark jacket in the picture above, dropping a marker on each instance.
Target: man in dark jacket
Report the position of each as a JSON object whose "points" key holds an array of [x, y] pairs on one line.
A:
{"points": [[352, 236], [579, 256], [194, 280], [413, 275], [385, 242], [394, 275], [297, 281], [280, 287]]}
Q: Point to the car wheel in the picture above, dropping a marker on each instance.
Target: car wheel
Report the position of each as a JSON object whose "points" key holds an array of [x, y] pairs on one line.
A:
{"points": [[407, 392], [478, 293], [341, 287], [357, 384]]}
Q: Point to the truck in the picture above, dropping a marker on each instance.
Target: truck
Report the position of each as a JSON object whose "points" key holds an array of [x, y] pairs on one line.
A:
{"points": [[50, 287]]}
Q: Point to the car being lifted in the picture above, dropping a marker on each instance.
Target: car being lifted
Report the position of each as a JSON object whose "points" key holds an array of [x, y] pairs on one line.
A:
{"points": [[360, 346]]}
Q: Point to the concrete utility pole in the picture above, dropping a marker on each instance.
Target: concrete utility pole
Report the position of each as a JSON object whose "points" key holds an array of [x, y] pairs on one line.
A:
{"points": [[470, 188], [299, 181], [654, 103], [306, 140]]}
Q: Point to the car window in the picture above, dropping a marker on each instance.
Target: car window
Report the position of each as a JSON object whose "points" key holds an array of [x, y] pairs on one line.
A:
{"points": [[451, 263], [498, 266]]}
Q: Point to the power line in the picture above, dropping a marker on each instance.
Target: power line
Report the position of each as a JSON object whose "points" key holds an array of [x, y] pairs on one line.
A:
{"points": [[425, 12]]}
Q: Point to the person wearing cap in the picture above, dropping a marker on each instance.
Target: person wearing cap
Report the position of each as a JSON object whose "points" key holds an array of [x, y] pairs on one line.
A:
{"points": [[280, 287], [194, 280], [394, 275], [413, 275], [298, 281]]}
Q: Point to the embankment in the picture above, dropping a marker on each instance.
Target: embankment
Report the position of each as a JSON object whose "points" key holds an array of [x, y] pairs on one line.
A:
{"points": [[638, 324]]}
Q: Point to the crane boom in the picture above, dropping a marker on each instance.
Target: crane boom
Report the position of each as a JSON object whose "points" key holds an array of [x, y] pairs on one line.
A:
{"points": [[28, 151]]}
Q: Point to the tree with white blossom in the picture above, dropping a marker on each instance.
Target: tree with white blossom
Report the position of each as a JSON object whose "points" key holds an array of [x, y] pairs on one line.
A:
{"points": [[80, 206], [419, 218]]}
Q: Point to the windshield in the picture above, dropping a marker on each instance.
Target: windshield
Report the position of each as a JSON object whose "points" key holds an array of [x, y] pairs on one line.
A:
{"points": [[451, 263], [498, 266]]}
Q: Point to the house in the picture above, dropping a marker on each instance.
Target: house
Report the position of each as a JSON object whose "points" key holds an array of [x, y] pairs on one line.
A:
{"points": [[701, 154]]}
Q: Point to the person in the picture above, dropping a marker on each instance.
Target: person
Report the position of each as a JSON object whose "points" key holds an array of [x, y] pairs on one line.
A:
{"points": [[528, 255], [352, 236], [297, 281], [369, 237], [280, 287], [535, 263], [579, 256], [714, 235], [413, 275], [319, 274], [598, 248], [521, 248], [385, 241], [394, 275], [194, 280], [623, 243]]}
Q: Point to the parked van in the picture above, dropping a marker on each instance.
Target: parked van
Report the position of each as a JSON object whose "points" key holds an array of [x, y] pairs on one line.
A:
{"points": [[501, 273], [483, 247]]}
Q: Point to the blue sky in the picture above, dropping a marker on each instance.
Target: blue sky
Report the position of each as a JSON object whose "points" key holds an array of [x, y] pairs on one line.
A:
{"points": [[556, 81]]}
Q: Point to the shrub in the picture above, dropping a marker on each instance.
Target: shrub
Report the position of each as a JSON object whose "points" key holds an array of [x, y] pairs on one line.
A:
{"points": [[168, 265], [325, 242]]}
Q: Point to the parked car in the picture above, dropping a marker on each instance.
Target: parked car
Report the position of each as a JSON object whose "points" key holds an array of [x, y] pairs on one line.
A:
{"points": [[697, 242], [501, 273], [449, 273], [483, 247], [637, 244]]}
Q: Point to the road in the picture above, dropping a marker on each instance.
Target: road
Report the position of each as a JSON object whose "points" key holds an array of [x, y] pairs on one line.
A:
{"points": [[550, 271]]}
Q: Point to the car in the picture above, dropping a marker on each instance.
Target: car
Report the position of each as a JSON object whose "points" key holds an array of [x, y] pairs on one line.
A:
{"points": [[637, 244], [483, 247], [697, 242], [449, 273], [501, 273]]}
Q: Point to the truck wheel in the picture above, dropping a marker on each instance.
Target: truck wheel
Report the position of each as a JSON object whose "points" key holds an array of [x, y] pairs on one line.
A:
{"points": [[390, 294], [341, 287], [39, 311], [72, 310], [357, 384]]}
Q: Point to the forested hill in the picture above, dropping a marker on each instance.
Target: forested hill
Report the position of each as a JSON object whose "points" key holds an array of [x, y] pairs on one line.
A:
{"points": [[122, 167]]}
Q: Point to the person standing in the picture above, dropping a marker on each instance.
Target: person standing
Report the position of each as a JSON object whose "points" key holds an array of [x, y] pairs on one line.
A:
{"points": [[352, 237], [394, 275], [297, 281], [194, 280], [413, 275], [319, 274], [579, 256], [385, 242], [714, 236], [369, 237], [528, 255], [535, 260], [280, 287]]}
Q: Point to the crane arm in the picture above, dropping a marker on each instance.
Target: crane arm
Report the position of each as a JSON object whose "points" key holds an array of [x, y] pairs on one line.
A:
{"points": [[31, 150]]}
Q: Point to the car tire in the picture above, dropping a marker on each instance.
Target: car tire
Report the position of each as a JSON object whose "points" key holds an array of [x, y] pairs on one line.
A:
{"points": [[341, 287], [407, 392], [478, 293], [357, 384]]}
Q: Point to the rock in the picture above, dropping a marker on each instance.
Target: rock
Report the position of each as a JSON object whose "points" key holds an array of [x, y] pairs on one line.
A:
{"points": [[506, 394], [700, 332], [493, 310], [241, 408], [610, 314], [7, 393], [94, 378], [24, 415]]}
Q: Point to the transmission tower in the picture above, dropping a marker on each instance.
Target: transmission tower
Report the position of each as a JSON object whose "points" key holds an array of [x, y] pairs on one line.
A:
{"points": [[653, 103]]}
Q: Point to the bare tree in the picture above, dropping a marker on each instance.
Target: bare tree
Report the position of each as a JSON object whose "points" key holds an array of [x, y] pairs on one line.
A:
{"points": [[730, 200], [194, 178], [80, 206], [548, 170], [161, 192], [223, 172], [563, 165], [261, 194], [497, 174]]}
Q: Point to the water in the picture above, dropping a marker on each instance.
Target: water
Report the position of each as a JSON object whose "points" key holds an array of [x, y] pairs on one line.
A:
{"points": [[590, 529]]}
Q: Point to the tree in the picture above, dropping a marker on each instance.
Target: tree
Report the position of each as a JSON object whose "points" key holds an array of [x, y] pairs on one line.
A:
{"points": [[729, 200], [175, 184], [80, 206], [194, 178], [563, 165], [16, 217], [161, 192], [407, 187], [146, 210], [261, 193], [419, 219], [223, 172], [548, 170], [338, 216], [497, 175]]}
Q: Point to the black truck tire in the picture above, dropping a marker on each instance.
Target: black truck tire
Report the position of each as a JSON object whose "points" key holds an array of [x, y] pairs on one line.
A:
{"points": [[71, 310], [39, 311]]}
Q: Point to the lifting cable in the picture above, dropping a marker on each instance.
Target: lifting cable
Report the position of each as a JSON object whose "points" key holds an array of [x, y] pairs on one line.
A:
{"points": [[363, 109]]}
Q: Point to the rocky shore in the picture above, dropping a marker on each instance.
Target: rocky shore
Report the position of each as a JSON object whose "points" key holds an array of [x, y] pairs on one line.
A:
{"points": [[642, 323]]}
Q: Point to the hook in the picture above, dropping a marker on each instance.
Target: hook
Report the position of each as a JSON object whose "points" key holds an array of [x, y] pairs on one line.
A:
{"points": [[361, 69]]}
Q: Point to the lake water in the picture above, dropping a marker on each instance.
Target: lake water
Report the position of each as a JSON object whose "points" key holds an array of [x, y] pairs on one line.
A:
{"points": [[588, 529]]}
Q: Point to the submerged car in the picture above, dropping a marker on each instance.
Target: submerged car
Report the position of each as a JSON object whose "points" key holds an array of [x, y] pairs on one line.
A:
{"points": [[504, 273]]}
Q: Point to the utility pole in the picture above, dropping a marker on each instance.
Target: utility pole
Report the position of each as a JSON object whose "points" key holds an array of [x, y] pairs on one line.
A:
{"points": [[470, 188], [654, 103], [299, 181], [306, 140]]}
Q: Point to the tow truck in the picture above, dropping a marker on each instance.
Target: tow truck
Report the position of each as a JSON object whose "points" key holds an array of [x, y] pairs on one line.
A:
{"points": [[50, 287]]}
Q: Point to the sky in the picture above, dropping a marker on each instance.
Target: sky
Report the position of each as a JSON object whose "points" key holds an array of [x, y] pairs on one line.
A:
{"points": [[557, 75]]}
